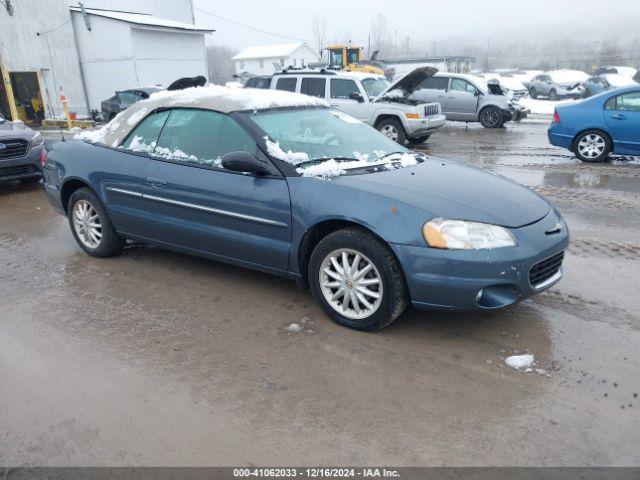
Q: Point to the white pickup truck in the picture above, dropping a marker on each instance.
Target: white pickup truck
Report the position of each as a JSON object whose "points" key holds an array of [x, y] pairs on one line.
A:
{"points": [[371, 99]]}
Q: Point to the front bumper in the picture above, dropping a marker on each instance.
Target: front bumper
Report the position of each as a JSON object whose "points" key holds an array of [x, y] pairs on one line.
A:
{"points": [[22, 168], [422, 126], [482, 279], [516, 113]]}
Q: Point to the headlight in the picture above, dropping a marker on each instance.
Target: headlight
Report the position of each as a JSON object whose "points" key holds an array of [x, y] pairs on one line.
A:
{"points": [[462, 235], [37, 140]]}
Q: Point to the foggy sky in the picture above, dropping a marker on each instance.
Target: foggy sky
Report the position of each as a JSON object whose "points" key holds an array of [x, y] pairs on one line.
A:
{"points": [[423, 21]]}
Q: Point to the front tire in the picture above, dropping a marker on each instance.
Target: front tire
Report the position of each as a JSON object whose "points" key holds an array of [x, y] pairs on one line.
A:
{"points": [[553, 95], [393, 129], [533, 93], [91, 226], [356, 280], [491, 117], [592, 146]]}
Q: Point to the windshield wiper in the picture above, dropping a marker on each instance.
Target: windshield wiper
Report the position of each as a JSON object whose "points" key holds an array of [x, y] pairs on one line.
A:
{"points": [[320, 160]]}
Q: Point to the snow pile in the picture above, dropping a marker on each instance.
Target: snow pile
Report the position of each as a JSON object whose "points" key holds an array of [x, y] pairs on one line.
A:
{"points": [[244, 98], [332, 168], [519, 361], [542, 107], [294, 327], [294, 158], [98, 136], [138, 145], [136, 117]]}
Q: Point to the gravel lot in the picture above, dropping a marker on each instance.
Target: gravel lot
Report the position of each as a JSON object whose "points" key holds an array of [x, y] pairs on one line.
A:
{"points": [[156, 358]]}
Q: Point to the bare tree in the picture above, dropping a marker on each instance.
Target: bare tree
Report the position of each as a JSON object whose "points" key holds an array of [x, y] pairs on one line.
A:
{"points": [[319, 27], [219, 63], [379, 33]]}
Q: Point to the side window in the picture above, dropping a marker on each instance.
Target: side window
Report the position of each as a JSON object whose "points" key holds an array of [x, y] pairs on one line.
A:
{"points": [[342, 88], [435, 83], [313, 86], [610, 104], [127, 98], [144, 137], [629, 102], [460, 85], [201, 137], [286, 83]]}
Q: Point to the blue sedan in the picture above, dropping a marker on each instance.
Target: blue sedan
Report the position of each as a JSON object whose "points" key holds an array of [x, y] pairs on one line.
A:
{"points": [[593, 128], [283, 183]]}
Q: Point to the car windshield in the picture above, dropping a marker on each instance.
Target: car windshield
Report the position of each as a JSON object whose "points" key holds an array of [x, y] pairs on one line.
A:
{"points": [[374, 86], [323, 142]]}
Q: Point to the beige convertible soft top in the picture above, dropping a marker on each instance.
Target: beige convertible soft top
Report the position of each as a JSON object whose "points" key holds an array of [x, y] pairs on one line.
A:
{"points": [[212, 97]]}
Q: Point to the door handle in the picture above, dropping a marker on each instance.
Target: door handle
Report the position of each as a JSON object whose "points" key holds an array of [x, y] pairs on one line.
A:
{"points": [[156, 182], [619, 117]]}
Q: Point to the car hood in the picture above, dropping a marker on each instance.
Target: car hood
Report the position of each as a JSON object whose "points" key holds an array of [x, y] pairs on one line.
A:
{"points": [[15, 130], [453, 190], [410, 81]]}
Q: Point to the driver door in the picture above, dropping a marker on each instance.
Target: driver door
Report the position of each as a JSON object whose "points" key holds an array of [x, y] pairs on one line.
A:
{"points": [[462, 99], [197, 205]]}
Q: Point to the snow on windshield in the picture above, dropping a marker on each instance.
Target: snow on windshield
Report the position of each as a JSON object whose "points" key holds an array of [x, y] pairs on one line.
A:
{"points": [[328, 143], [98, 136]]}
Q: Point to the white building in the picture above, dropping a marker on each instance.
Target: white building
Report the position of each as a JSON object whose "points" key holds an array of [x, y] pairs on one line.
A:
{"points": [[51, 46], [266, 59]]}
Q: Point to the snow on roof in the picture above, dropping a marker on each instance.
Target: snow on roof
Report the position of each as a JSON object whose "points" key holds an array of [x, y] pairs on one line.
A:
{"points": [[211, 97], [142, 19], [268, 51], [619, 80]]}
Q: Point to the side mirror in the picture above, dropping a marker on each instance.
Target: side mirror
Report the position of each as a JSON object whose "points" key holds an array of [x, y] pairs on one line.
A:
{"points": [[356, 96], [245, 162], [477, 93]]}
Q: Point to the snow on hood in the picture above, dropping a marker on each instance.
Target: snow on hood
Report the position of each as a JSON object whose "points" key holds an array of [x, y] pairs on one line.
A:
{"points": [[568, 77], [212, 97], [618, 80], [409, 82]]}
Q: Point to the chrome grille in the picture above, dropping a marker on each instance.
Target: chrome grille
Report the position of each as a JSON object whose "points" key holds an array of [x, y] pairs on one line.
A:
{"points": [[14, 148], [432, 109], [518, 94], [545, 269]]}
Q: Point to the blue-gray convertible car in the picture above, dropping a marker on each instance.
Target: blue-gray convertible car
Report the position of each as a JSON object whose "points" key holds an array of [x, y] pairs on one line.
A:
{"points": [[285, 184]]}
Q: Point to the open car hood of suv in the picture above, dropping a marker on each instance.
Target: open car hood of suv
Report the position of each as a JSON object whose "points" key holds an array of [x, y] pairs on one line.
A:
{"points": [[409, 82]]}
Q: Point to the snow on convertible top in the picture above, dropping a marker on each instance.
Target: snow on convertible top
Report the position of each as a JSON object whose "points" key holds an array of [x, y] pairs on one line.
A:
{"points": [[214, 97]]}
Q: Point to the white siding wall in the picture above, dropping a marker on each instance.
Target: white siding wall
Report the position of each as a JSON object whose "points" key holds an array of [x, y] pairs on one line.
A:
{"points": [[162, 57], [116, 55], [23, 50], [264, 66], [106, 56]]}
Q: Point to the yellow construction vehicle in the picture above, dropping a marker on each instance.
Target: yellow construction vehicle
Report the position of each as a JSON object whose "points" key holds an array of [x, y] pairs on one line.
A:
{"points": [[349, 58]]}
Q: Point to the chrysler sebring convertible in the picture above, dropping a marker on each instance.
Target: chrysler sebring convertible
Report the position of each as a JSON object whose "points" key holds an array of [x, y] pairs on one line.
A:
{"points": [[283, 183]]}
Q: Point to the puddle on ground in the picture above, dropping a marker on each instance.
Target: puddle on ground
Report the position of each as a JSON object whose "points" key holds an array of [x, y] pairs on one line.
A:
{"points": [[536, 178]]}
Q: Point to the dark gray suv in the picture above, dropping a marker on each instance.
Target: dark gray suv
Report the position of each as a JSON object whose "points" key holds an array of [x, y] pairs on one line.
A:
{"points": [[20, 150]]}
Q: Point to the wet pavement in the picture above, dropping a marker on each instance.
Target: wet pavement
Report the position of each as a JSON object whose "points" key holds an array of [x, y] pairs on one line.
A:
{"points": [[156, 358]]}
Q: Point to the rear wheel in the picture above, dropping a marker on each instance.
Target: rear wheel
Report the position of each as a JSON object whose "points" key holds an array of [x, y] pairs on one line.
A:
{"points": [[91, 226], [356, 280], [592, 146], [553, 95], [491, 117], [393, 129], [533, 93]]}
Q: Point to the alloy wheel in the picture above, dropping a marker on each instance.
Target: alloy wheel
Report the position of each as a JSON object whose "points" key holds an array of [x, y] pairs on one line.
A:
{"points": [[490, 117], [591, 146], [351, 283], [391, 132], [86, 223]]}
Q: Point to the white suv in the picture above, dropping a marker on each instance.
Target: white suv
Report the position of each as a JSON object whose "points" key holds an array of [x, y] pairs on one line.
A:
{"points": [[371, 99]]}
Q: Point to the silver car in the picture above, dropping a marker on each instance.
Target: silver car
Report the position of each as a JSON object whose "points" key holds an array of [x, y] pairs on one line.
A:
{"points": [[558, 86], [469, 99]]}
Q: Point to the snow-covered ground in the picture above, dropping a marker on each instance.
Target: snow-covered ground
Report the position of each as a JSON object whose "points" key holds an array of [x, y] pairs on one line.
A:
{"points": [[543, 107]]}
